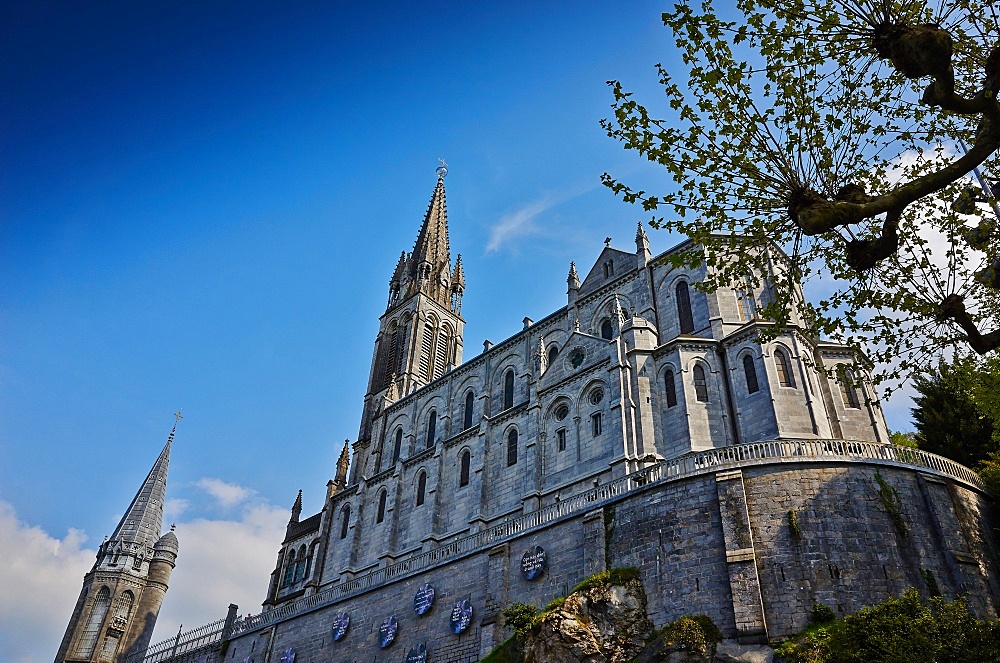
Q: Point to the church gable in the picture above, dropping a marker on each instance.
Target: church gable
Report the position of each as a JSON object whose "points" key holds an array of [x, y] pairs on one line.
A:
{"points": [[610, 265]]}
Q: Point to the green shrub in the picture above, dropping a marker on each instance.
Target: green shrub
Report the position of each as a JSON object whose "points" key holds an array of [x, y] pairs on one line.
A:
{"points": [[521, 617], [696, 634], [613, 577], [622, 575], [554, 604], [821, 614], [793, 526], [810, 646]]}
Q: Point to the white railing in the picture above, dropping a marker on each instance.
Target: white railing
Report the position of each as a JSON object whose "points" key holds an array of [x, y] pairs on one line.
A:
{"points": [[691, 464]]}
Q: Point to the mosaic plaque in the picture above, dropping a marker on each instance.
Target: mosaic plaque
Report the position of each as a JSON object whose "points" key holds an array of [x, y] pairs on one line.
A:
{"points": [[387, 631], [417, 655], [533, 563], [340, 624], [288, 656], [461, 616], [423, 600]]}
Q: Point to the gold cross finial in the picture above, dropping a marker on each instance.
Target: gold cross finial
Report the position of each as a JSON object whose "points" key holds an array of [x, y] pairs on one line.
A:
{"points": [[178, 416]]}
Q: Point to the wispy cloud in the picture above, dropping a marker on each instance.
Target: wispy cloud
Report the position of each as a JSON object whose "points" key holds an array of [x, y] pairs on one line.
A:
{"points": [[227, 494], [521, 222]]}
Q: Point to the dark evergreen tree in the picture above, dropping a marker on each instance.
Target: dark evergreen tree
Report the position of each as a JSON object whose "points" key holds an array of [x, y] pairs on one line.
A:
{"points": [[947, 416]]}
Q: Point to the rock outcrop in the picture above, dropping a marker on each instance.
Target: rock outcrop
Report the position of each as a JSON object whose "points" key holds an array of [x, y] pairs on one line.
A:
{"points": [[601, 623]]}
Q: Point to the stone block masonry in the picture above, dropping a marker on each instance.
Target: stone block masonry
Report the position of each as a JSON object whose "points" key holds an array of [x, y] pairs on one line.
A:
{"points": [[716, 543]]}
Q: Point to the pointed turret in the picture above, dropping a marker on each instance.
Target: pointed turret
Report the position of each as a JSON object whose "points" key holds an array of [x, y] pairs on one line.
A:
{"points": [[296, 509], [642, 246], [340, 480], [457, 285], [573, 284]]}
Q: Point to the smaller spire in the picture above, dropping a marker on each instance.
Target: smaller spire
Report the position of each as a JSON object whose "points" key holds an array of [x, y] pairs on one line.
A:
{"points": [[458, 279], [642, 246], [296, 509], [640, 234], [573, 279], [342, 464]]}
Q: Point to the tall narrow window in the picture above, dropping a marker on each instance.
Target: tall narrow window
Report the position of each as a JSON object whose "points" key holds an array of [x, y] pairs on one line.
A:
{"points": [[508, 390], [847, 391], [123, 608], [784, 368], [345, 520], [397, 445], [88, 639], [301, 565], [561, 439], [596, 423], [751, 374], [684, 308], [607, 329], [380, 515], [426, 350], [700, 384], [289, 569], [431, 429], [470, 402], [671, 388], [464, 468], [441, 353], [421, 487], [511, 448], [553, 353]]}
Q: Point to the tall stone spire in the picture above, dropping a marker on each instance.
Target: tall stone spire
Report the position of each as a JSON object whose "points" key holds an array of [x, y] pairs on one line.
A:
{"points": [[122, 594], [429, 268], [144, 517]]}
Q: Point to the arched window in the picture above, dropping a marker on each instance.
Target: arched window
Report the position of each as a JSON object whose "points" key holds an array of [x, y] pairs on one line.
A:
{"points": [[561, 439], [684, 308], [700, 385], [301, 565], [289, 569], [784, 368], [380, 515], [345, 520], [98, 611], [431, 428], [464, 468], [671, 388], [441, 352], [596, 423], [470, 401], [397, 446], [123, 608], [847, 390], [511, 448], [553, 353], [421, 487], [751, 374], [607, 329], [508, 389], [426, 350]]}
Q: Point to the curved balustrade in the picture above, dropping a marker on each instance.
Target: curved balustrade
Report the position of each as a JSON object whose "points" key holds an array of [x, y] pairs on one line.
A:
{"points": [[778, 451]]}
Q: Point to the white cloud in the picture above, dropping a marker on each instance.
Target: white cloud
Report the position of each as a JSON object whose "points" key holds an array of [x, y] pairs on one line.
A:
{"points": [[173, 508], [227, 494], [41, 578], [221, 562]]}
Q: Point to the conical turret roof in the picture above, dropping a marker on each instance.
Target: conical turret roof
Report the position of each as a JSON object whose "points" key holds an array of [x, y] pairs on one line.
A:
{"points": [[144, 517]]}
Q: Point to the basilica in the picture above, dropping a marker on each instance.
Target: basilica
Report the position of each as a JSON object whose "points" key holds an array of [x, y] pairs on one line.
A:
{"points": [[646, 423]]}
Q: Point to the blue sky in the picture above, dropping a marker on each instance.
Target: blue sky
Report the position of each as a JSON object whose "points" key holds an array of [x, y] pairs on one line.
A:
{"points": [[200, 206]]}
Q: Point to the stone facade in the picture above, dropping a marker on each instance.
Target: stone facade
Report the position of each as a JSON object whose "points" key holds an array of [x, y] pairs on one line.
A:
{"points": [[646, 424]]}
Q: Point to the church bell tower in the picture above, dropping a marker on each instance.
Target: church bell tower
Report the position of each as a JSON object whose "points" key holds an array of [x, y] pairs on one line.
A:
{"points": [[116, 612], [420, 333]]}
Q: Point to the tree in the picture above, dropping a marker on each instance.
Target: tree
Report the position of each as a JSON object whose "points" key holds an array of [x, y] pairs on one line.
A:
{"points": [[948, 417], [834, 129]]}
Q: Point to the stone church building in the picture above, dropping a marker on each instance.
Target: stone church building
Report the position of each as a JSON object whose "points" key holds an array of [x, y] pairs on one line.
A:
{"points": [[646, 423]]}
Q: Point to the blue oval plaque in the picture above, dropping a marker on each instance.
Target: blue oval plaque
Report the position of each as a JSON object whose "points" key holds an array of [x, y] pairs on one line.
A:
{"points": [[340, 624], [418, 654], [387, 631], [461, 616], [533, 563], [288, 656], [423, 600]]}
